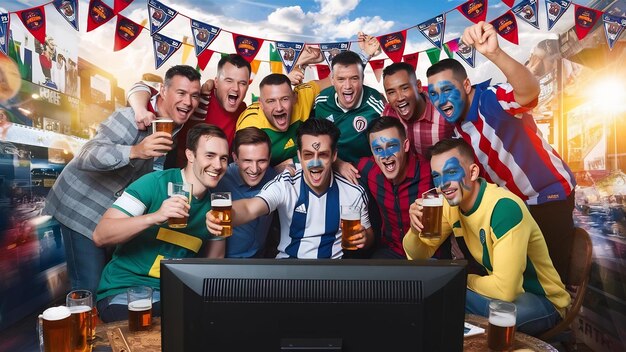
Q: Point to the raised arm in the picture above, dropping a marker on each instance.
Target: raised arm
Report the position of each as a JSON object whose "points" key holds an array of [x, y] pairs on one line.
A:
{"points": [[484, 38], [138, 98], [243, 211]]}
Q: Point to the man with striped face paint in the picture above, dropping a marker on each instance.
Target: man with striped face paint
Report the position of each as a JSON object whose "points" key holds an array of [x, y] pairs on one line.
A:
{"points": [[499, 235]]}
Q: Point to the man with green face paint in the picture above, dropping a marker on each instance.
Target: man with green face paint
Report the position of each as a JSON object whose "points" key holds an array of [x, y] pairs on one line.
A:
{"points": [[509, 147], [500, 234]]}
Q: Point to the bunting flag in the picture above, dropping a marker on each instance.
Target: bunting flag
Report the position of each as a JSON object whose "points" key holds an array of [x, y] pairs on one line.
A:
{"points": [[203, 35], [5, 19], [246, 46], [433, 55], [276, 65], [98, 14], [120, 5], [466, 52], [411, 59], [164, 47], [474, 10], [555, 9], [68, 10], [377, 67], [527, 11], [160, 15], [35, 21], [433, 29], [126, 31], [509, 3], [289, 53], [585, 18], [393, 44], [448, 50], [506, 26], [323, 71], [613, 28], [331, 49], [204, 57], [254, 68], [186, 50]]}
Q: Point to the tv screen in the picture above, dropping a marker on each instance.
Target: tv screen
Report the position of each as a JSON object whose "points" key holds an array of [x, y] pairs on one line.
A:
{"points": [[312, 305]]}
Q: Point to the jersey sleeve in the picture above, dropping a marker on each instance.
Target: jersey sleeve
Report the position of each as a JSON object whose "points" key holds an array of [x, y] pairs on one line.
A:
{"points": [[505, 97], [138, 196], [273, 193]]}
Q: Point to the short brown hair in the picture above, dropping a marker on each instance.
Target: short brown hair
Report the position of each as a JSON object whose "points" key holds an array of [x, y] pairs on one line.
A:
{"points": [[203, 129], [251, 135]]}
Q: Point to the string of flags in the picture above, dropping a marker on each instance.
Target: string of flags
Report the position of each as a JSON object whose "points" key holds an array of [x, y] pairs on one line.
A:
{"points": [[287, 53]]}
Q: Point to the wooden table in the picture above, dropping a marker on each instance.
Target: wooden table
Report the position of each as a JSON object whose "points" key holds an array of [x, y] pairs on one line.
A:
{"points": [[116, 337]]}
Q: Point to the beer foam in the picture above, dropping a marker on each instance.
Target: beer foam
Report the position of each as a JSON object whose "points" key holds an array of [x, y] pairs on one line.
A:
{"points": [[56, 313], [502, 320], [79, 309], [433, 202], [163, 120], [221, 203], [140, 305], [350, 216]]}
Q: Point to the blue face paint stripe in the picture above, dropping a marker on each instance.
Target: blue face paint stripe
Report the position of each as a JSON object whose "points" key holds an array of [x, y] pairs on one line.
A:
{"points": [[314, 163], [443, 92], [381, 147]]}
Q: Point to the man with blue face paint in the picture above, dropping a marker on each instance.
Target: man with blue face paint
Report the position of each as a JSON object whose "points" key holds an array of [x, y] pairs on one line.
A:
{"points": [[309, 201], [507, 144], [394, 177], [498, 233]]}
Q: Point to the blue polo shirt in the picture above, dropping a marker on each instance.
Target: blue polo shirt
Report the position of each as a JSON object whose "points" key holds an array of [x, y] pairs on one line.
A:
{"points": [[248, 240]]}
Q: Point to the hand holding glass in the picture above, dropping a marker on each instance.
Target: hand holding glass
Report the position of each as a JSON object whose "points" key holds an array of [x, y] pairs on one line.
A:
{"points": [[221, 207], [350, 225], [432, 202], [182, 190]]}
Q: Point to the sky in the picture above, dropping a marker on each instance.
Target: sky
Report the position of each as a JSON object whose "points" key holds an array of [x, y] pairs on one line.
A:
{"points": [[307, 21]]}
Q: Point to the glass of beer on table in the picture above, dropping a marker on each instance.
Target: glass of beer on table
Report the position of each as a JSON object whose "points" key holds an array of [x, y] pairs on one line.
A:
{"points": [[80, 303], [221, 207], [350, 225], [432, 202], [182, 190], [501, 330], [56, 329], [139, 308]]}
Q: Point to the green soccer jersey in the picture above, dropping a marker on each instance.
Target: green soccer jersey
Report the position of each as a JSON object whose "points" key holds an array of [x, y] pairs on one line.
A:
{"points": [[137, 262], [283, 143], [353, 143]]}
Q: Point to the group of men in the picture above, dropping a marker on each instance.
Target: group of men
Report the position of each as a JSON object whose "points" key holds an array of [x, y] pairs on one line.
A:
{"points": [[304, 153]]}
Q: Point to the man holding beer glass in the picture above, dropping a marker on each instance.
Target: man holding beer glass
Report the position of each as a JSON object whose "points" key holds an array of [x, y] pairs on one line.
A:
{"points": [[137, 223], [501, 236], [308, 202]]}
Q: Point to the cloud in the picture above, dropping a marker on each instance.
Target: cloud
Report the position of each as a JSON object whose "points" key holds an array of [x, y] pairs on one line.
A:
{"points": [[290, 19]]}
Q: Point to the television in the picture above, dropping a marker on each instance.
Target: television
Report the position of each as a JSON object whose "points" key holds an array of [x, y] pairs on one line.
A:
{"points": [[312, 305]]}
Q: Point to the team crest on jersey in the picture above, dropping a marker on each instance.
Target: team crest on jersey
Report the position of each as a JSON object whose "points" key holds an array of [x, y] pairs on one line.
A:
{"points": [[481, 235], [359, 123]]}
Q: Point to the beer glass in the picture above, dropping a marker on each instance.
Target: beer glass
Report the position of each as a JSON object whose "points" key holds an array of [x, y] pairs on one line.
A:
{"points": [[501, 330], [221, 205], [163, 125], [350, 225], [182, 190], [139, 308], [56, 327], [432, 211], [80, 303]]}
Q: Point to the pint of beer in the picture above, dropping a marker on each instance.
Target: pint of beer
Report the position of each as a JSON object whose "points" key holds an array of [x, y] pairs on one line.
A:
{"points": [[182, 190], [57, 329], [80, 303], [501, 330], [350, 225], [163, 125], [221, 206], [432, 211], [139, 308]]}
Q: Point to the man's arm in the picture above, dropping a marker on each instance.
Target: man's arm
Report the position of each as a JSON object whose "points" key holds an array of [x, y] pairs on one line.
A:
{"points": [[417, 247], [484, 38], [138, 98], [308, 56], [243, 211]]}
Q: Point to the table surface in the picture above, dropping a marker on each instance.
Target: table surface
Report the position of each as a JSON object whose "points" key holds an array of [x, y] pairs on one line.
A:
{"points": [[116, 337]]}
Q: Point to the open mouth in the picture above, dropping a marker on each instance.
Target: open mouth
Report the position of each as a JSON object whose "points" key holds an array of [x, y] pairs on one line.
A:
{"points": [[232, 98], [253, 176], [281, 119], [448, 192], [390, 165], [183, 111], [447, 110], [403, 108], [316, 175], [212, 174], [348, 96]]}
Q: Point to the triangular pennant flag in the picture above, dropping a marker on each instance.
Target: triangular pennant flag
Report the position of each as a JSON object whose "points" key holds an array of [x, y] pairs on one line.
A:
{"points": [[433, 29], [68, 10], [411, 59], [448, 49], [323, 71], [276, 65], [126, 31], [289, 53], [433, 55], [377, 66], [203, 35], [474, 10], [255, 97], [527, 12], [331, 49], [509, 3], [160, 15], [254, 68], [506, 26], [98, 14], [164, 47], [393, 44], [585, 18], [613, 28], [120, 5], [466, 52], [5, 19], [555, 9], [35, 21], [246, 46], [204, 57], [453, 45]]}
